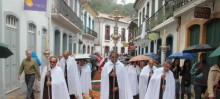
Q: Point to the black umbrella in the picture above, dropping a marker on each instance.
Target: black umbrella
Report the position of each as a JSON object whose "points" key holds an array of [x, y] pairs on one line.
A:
{"points": [[93, 58], [199, 48], [4, 51]]}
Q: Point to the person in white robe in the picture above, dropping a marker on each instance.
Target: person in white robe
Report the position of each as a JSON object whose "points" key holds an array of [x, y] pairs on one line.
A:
{"points": [[69, 67], [84, 76], [144, 78], [162, 83], [56, 83], [133, 73], [122, 89]]}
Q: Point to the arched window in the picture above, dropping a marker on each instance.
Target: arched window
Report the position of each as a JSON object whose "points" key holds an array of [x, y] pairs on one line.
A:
{"points": [[152, 46], [64, 42], [57, 43], [88, 50], [84, 49], [169, 42], [71, 44]]}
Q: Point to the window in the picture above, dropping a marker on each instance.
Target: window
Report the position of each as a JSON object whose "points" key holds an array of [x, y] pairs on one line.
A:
{"points": [[31, 36], [152, 46], [89, 22], [115, 49], [122, 50], [11, 21], [148, 9], [70, 44], [123, 34], [107, 32], [140, 19], [93, 25], [76, 6], [143, 15], [153, 8], [88, 50], [85, 22]]}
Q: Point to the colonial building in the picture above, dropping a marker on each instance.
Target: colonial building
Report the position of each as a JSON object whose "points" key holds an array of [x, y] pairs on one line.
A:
{"points": [[105, 27], [177, 18], [24, 29], [89, 33], [132, 32]]}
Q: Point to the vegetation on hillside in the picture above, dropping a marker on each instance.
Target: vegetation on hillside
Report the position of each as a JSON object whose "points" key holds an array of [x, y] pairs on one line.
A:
{"points": [[108, 6]]}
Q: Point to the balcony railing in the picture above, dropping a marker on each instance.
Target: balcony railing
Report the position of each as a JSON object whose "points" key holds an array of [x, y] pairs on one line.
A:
{"points": [[164, 13], [180, 3], [60, 6], [91, 32]]}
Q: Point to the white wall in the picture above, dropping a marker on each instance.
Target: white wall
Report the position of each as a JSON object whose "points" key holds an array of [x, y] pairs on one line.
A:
{"points": [[110, 43]]}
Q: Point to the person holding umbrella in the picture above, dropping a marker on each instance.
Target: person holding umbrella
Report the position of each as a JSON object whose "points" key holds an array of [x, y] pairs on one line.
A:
{"points": [[200, 71]]}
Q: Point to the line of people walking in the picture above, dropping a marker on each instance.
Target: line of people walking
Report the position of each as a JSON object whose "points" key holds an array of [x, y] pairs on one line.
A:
{"points": [[62, 79]]}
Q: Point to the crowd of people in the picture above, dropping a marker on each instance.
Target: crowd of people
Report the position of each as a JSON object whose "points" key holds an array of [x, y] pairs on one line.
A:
{"points": [[70, 78]]}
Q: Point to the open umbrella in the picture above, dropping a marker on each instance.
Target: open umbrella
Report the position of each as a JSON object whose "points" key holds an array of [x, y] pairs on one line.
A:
{"points": [[215, 52], [139, 58], [152, 55], [82, 56], [4, 51], [199, 48], [182, 56]]}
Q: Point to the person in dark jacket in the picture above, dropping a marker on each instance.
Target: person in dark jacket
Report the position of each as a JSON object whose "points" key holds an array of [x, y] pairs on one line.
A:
{"points": [[200, 71], [176, 70], [186, 79]]}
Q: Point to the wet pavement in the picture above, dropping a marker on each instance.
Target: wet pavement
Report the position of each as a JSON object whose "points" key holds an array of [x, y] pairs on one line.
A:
{"points": [[23, 95]]}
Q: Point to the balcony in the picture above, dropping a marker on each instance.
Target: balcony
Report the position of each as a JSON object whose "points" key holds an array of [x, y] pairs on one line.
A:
{"points": [[61, 12], [90, 32], [163, 14], [138, 33], [180, 3], [182, 6]]}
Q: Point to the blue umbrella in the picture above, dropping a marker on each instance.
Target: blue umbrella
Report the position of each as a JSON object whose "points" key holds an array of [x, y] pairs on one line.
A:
{"points": [[182, 56], [152, 55]]}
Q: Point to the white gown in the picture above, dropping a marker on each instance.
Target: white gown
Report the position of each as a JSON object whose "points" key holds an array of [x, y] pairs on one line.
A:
{"points": [[85, 78], [153, 90], [133, 73], [123, 83], [72, 76], [143, 80], [59, 88]]}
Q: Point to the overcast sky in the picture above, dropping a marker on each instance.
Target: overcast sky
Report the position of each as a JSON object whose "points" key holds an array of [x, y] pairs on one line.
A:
{"points": [[126, 1]]}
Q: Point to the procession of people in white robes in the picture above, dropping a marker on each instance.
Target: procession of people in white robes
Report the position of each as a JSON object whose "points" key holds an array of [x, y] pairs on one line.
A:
{"points": [[117, 80]]}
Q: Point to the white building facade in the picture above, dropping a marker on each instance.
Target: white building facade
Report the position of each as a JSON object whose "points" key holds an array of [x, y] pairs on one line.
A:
{"points": [[177, 18], [89, 33], [23, 29], [105, 26]]}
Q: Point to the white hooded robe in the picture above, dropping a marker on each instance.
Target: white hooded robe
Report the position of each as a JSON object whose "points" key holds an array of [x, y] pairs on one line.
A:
{"points": [[58, 83], [123, 83], [143, 80], [85, 78], [153, 89], [72, 76], [133, 73]]}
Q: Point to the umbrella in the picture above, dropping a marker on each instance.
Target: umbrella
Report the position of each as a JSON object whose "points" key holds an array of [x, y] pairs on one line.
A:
{"points": [[82, 56], [93, 58], [182, 56], [199, 48], [152, 55], [140, 57], [4, 51], [215, 52]]}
